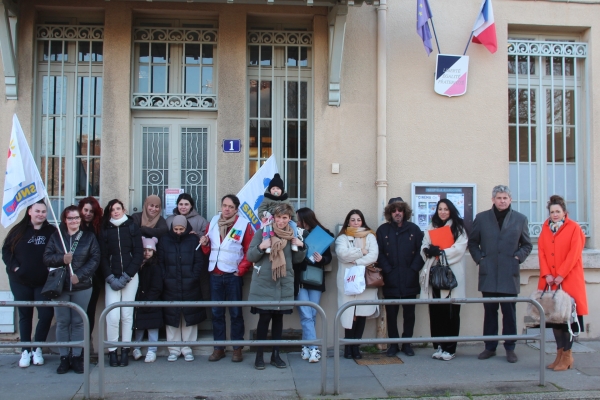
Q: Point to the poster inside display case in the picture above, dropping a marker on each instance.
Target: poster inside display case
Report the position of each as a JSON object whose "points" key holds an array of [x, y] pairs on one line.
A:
{"points": [[426, 195]]}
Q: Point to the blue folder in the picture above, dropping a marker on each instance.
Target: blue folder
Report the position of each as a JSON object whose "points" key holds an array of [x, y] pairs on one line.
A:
{"points": [[318, 240]]}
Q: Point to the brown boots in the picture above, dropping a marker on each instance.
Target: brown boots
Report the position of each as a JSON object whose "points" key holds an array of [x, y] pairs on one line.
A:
{"points": [[565, 362], [558, 356]]}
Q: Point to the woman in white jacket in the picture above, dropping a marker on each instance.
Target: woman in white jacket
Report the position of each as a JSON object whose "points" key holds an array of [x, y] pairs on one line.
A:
{"points": [[444, 319], [355, 245]]}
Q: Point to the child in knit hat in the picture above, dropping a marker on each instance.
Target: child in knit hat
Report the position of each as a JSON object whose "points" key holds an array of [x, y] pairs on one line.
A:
{"points": [[274, 196], [149, 289]]}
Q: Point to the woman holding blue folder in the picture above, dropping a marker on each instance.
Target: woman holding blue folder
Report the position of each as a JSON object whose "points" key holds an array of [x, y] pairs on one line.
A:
{"points": [[446, 233], [308, 221]]}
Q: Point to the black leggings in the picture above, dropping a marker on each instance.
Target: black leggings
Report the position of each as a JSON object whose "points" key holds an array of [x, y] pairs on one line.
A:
{"points": [[263, 327], [358, 327]]}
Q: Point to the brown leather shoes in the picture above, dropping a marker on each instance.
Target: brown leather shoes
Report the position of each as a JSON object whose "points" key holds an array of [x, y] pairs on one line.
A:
{"points": [[237, 356], [217, 355]]}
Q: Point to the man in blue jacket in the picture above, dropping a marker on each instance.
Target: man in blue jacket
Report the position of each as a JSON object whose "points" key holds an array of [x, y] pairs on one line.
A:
{"points": [[399, 243]]}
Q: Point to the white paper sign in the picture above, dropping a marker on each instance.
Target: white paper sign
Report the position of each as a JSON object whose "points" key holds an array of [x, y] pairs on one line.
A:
{"points": [[425, 208]]}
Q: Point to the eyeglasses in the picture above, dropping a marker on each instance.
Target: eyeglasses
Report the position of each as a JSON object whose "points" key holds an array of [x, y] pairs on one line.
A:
{"points": [[73, 218]]}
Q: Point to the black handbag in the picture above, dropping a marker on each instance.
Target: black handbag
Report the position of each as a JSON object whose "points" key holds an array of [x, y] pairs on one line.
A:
{"points": [[55, 283], [56, 277], [441, 276]]}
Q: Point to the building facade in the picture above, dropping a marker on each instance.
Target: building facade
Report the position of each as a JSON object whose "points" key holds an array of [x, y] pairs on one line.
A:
{"points": [[122, 99]]}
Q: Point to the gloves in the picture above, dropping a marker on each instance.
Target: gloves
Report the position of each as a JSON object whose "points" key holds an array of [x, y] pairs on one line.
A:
{"points": [[110, 279], [67, 258], [114, 283], [124, 279], [434, 251]]}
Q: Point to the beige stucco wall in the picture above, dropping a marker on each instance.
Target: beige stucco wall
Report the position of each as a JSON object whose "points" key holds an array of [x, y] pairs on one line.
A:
{"points": [[430, 138]]}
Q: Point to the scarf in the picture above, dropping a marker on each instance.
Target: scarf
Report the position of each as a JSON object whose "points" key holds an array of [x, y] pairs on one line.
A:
{"points": [[278, 243], [224, 224], [118, 222], [555, 226], [500, 215], [147, 220], [359, 235]]}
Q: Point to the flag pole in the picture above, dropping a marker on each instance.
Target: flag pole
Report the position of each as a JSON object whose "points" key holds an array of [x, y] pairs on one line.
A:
{"points": [[58, 229], [435, 35], [468, 42]]}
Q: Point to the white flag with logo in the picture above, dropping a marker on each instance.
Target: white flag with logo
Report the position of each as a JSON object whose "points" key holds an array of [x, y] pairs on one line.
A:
{"points": [[253, 191], [23, 184]]}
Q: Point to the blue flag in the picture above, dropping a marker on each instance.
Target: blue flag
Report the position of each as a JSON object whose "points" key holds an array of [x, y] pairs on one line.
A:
{"points": [[423, 15]]}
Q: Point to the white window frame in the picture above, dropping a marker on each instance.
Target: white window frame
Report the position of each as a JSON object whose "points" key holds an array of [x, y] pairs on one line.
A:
{"points": [[175, 33], [282, 37], [72, 69], [538, 49]]}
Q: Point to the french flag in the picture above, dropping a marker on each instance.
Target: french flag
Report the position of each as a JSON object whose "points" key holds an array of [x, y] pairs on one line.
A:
{"points": [[484, 30]]}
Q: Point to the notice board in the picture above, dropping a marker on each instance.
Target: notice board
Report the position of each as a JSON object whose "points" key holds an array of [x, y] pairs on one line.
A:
{"points": [[426, 195]]}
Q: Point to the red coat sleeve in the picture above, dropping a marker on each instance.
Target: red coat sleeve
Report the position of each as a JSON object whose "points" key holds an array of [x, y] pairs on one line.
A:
{"points": [[574, 254], [246, 265]]}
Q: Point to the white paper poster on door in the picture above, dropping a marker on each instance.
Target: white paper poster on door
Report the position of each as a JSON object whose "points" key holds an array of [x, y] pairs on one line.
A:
{"points": [[458, 199], [426, 204]]}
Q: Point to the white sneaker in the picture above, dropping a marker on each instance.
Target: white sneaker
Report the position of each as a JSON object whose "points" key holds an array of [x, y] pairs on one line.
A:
{"points": [[150, 357], [25, 360], [137, 354], [38, 359], [315, 355], [438, 353], [294, 247], [188, 357], [447, 356], [305, 353], [173, 357]]}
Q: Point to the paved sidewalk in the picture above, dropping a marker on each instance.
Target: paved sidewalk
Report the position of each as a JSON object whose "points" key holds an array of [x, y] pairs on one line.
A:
{"points": [[465, 377]]}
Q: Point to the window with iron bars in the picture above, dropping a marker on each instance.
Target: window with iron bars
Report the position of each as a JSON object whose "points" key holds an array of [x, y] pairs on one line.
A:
{"points": [[68, 104], [548, 136], [280, 102]]}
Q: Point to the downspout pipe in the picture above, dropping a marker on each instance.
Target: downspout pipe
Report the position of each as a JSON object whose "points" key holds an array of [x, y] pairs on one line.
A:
{"points": [[381, 181]]}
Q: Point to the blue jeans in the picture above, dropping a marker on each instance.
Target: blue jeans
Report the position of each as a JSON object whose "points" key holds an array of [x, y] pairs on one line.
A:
{"points": [[308, 315], [227, 287]]}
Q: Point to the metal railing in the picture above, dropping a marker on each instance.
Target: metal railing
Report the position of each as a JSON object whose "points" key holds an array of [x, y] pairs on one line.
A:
{"points": [[172, 304], [84, 344], [337, 340]]}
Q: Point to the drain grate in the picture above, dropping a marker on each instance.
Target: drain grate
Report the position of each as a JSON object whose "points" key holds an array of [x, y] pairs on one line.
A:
{"points": [[378, 359]]}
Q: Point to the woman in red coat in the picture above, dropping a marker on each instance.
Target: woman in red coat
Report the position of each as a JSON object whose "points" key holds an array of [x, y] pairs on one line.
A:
{"points": [[560, 248]]}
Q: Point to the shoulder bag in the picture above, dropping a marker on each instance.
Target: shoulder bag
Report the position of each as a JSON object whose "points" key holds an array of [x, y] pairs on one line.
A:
{"points": [[441, 276], [56, 277], [559, 308], [312, 276], [373, 278]]}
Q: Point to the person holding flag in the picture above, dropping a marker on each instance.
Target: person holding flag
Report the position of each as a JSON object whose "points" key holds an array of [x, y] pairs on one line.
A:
{"points": [[23, 253], [25, 243]]}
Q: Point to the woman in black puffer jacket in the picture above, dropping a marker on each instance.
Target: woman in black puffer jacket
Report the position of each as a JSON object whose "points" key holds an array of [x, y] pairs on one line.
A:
{"points": [[122, 256], [22, 253], [182, 265], [83, 253]]}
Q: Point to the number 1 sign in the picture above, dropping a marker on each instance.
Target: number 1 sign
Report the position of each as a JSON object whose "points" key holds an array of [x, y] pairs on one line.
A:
{"points": [[232, 145]]}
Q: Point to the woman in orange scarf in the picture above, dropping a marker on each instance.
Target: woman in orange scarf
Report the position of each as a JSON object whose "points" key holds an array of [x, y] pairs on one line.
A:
{"points": [[560, 249]]}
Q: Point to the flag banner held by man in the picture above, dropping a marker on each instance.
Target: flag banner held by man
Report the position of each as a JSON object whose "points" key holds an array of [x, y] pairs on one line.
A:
{"points": [[23, 184], [253, 191]]}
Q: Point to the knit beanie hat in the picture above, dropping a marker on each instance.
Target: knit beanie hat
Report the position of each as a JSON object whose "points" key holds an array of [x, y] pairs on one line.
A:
{"points": [[395, 200], [180, 220], [149, 243], [276, 181]]}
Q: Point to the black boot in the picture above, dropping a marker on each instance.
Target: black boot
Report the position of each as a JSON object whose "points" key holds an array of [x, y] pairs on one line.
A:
{"points": [[276, 360], [124, 357], [64, 366], [347, 351], [259, 362], [392, 350], [356, 352], [77, 364], [113, 359]]}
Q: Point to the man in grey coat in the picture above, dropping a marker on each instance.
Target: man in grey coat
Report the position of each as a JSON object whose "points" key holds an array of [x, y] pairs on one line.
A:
{"points": [[499, 243]]}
